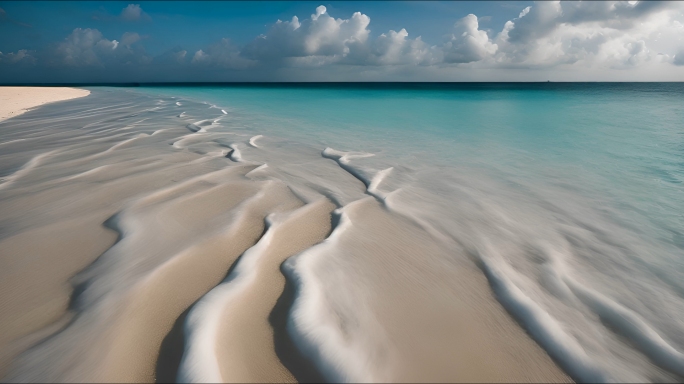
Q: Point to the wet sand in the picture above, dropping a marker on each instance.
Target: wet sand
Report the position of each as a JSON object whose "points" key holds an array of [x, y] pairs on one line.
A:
{"points": [[129, 238]]}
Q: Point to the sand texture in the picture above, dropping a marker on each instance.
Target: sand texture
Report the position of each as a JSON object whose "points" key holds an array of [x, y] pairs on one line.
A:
{"points": [[142, 241], [16, 100]]}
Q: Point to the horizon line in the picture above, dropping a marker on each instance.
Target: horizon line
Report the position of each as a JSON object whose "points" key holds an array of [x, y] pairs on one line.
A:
{"points": [[164, 83]]}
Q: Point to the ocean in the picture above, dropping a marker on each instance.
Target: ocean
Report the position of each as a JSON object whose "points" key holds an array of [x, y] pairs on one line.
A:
{"points": [[567, 199]]}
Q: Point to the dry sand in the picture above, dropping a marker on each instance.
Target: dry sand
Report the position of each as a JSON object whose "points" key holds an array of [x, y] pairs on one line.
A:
{"points": [[108, 239], [16, 100]]}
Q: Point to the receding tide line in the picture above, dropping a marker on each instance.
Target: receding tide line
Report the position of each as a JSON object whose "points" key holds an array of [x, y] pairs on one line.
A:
{"points": [[343, 158], [308, 323], [210, 314], [25, 169], [622, 320], [253, 140], [235, 154], [200, 363], [543, 328], [257, 169]]}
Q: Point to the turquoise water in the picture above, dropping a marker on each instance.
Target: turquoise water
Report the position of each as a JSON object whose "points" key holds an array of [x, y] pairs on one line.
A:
{"points": [[625, 141], [571, 193]]}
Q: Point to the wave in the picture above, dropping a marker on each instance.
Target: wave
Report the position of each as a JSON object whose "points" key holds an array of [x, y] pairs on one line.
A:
{"points": [[200, 363], [25, 169], [376, 181], [343, 159], [309, 324], [543, 327], [202, 125], [536, 293], [257, 169], [12, 141], [253, 139], [622, 320], [123, 143], [235, 154]]}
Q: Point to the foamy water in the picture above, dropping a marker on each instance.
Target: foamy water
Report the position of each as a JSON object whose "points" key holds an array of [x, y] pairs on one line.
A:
{"points": [[567, 198]]}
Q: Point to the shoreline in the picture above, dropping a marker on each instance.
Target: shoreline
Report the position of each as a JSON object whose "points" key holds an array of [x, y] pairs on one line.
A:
{"points": [[15, 101], [179, 196]]}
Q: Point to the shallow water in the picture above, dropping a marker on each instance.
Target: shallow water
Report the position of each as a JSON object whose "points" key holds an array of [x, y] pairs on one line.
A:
{"points": [[567, 197]]}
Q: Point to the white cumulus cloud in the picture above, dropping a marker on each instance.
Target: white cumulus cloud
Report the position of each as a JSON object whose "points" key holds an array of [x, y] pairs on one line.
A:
{"points": [[129, 38], [322, 40], [678, 59], [320, 35], [87, 47], [608, 34], [133, 12], [578, 39], [223, 54], [467, 43], [21, 56]]}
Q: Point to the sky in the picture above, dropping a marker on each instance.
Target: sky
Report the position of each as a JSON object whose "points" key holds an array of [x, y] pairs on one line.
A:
{"points": [[183, 41]]}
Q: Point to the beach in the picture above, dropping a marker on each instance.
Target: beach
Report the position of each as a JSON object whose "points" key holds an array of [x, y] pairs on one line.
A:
{"points": [[109, 239], [149, 236], [17, 100]]}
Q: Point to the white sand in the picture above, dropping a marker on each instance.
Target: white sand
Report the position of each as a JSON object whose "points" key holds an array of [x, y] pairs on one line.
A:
{"points": [[16, 100]]}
